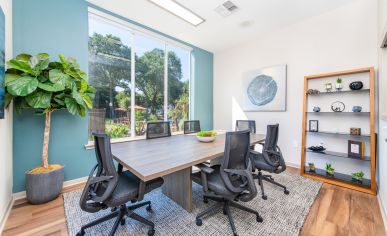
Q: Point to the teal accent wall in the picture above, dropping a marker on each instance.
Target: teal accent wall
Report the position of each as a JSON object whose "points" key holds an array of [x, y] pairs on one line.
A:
{"points": [[61, 26]]}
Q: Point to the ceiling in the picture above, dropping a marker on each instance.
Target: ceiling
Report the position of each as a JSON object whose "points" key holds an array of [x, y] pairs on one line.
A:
{"points": [[253, 19]]}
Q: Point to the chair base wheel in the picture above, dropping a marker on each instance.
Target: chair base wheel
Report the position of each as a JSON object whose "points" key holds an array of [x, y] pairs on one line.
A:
{"points": [[199, 222], [264, 197], [224, 212], [205, 200], [259, 219], [235, 234], [122, 221], [149, 208], [286, 192], [81, 233], [151, 232]]}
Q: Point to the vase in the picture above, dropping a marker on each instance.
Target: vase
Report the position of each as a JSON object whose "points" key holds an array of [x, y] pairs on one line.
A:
{"points": [[339, 86]]}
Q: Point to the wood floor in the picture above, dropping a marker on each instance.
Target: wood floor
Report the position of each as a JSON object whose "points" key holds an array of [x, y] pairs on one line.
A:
{"points": [[336, 211]]}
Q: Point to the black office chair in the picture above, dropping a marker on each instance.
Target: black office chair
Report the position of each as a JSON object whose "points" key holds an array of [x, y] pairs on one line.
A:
{"points": [[191, 126], [107, 188], [269, 160], [158, 129], [231, 181], [245, 125]]}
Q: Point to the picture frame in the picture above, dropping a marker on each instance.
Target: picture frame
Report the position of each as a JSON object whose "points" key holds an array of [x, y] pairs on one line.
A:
{"points": [[356, 149], [313, 125]]}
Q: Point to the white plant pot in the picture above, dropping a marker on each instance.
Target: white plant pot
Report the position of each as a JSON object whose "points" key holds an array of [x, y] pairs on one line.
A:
{"points": [[206, 139]]}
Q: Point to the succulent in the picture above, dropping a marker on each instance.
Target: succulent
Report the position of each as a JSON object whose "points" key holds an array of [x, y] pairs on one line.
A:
{"points": [[329, 169]]}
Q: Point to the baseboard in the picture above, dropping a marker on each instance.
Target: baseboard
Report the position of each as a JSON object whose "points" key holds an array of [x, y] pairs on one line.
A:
{"points": [[293, 165], [4, 218], [21, 196], [383, 212]]}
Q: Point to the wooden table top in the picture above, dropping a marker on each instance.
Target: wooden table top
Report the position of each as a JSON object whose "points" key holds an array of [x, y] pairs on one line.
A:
{"points": [[153, 158]]}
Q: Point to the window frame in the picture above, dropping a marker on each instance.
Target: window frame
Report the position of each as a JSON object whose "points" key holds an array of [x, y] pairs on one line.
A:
{"points": [[134, 30]]}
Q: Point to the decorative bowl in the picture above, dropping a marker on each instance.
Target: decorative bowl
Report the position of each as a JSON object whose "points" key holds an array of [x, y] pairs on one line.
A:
{"points": [[357, 85], [317, 148], [356, 108], [316, 109], [206, 139]]}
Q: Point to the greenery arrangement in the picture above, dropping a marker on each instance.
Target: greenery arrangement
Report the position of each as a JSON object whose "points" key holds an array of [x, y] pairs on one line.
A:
{"points": [[312, 167], [206, 134], [35, 82], [329, 169], [358, 175], [339, 80]]}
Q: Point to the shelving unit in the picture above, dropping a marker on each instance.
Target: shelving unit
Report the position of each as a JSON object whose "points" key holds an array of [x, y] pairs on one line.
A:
{"points": [[341, 179]]}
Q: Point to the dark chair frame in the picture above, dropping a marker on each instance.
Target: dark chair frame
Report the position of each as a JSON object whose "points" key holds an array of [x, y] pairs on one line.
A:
{"points": [[104, 173], [251, 124], [279, 164], [159, 122], [191, 121], [226, 202]]}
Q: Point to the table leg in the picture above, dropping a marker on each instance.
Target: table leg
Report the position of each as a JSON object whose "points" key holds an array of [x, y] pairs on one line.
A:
{"points": [[178, 187]]}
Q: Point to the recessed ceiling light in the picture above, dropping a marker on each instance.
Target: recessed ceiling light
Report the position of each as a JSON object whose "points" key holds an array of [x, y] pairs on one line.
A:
{"points": [[179, 11]]}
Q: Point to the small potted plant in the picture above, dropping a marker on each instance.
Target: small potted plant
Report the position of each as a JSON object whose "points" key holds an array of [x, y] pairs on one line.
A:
{"points": [[35, 82], [328, 87], [312, 168], [329, 169], [339, 84], [358, 176], [206, 136]]}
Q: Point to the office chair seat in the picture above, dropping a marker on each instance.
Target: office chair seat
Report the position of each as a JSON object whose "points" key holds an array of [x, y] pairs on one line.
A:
{"points": [[127, 188], [260, 163], [215, 182]]}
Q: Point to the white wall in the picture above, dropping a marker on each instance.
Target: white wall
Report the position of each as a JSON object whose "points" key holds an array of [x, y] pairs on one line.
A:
{"points": [[343, 38], [6, 127], [382, 123]]}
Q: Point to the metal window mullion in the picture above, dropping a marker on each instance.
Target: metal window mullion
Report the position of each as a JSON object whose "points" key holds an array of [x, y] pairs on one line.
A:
{"points": [[165, 83], [133, 88]]}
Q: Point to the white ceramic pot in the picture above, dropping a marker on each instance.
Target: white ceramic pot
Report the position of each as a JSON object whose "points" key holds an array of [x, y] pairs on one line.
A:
{"points": [[206, 139]]}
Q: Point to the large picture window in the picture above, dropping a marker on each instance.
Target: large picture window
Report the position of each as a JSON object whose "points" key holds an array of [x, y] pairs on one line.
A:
{"points": [[138, 77]]}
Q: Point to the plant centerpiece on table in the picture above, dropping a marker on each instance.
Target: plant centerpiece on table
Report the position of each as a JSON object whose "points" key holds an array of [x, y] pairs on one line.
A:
{"points": [[329, 169], [206, 136], [312, 167], [358, 176], [35, 82], [339, 84]]}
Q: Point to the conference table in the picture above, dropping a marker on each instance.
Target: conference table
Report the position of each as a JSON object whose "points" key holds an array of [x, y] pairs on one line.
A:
{"points": [[171, 158]]}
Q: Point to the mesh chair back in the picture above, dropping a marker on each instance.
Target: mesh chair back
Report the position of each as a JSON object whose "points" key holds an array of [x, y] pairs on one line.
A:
{"points": [[245, 125], [236, 157], [103, 178], [271, 140], [158, 129], [191, 126], [271, 150]]}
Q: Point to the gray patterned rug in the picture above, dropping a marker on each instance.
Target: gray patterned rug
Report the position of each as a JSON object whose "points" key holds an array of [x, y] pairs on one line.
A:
{"points": [[282, 214]]}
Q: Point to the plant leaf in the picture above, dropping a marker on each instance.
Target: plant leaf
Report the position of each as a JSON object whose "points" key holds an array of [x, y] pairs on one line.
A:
{"points": [[43, 56], [78, 97], [59, 101], [10, 77], [50, 87], [72, 106], [22, 86], [39, 99], [23, 57], [7, 99], [83, 86], [57, 76], [87, 101], [21, 65]]}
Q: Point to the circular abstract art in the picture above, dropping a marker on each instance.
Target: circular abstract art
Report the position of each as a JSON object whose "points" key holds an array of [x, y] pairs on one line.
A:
{"points": [[262, 90]]}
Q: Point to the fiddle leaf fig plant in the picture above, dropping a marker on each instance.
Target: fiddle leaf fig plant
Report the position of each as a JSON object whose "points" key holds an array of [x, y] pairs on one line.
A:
{"points": [[35, 82]]}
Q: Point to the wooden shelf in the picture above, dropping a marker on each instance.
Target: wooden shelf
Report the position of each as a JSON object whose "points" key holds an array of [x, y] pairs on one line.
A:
{"points": [[368, 185], [339, 177], [339, 92], [364, 136], [339, 154]]}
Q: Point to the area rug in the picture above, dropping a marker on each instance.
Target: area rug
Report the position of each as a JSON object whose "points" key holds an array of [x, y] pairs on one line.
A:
{"points": [[282, 214]]}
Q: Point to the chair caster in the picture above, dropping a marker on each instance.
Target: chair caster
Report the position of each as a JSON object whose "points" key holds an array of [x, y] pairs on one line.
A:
{"points": [[199, 222], [205, 200], [151, 232], [286, 192], [113, 209], [149, 209], [259, 219], [122, 222], [235, 234], [81, 233], [224, 212], [264, 197]]}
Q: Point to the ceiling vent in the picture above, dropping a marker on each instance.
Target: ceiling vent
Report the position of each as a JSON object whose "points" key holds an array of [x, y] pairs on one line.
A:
{"points": [[226, 9]]}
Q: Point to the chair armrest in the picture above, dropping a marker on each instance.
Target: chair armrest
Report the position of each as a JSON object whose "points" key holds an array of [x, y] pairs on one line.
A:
{"points": [[247, 175], [204, 168]]}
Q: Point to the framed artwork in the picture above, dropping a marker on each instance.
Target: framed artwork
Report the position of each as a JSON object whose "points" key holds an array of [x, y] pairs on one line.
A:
{"points": [[265, 89], [2, 63], [356, 149], [313, 125]]}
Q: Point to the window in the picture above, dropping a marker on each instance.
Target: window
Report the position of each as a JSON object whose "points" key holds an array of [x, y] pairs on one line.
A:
{"points": [[139, 77]]}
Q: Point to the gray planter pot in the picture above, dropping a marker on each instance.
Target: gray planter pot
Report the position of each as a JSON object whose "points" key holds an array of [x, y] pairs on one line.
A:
{"points": [[44, 187]]}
